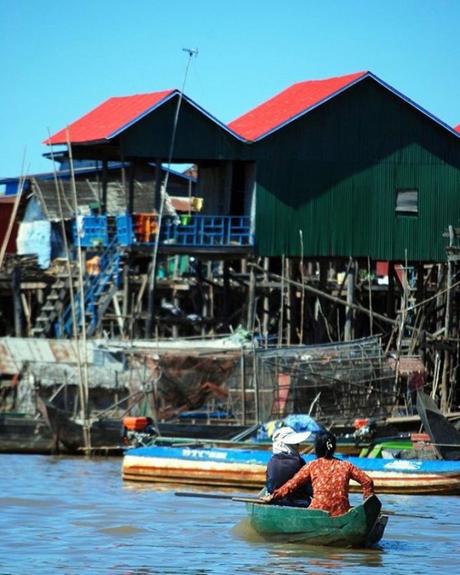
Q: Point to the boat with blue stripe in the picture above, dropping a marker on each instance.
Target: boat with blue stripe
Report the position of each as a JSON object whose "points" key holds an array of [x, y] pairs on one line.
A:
{"points": [[245, 468]]}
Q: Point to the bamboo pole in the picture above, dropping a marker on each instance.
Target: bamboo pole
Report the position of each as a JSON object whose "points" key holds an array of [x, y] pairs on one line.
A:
{"points": [[59, 190], [348, 330], [447, 360], [369, 283], [281, 321], [163, 194], [84, 407]]}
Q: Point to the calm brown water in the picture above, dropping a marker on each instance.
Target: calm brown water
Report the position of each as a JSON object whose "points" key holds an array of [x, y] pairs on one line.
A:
{"points": [[72, 516]]}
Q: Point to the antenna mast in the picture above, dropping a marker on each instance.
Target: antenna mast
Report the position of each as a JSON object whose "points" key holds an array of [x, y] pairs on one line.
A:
{"points": [[149, 321]]}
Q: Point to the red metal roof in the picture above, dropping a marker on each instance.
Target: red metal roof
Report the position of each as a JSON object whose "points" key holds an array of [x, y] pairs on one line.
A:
{"points": [[289, 104], [457, 128], [107, 119]]}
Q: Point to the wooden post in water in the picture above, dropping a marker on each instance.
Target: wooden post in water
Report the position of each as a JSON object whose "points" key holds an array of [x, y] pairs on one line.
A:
{"points": [[256, 385]]}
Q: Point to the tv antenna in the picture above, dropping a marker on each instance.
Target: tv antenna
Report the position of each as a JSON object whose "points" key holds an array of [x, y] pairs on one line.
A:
{"points": [[190, 51]]}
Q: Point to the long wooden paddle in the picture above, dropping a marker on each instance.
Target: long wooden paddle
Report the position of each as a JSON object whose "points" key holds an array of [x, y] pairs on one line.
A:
{"points": [[219, 496], [262, 502]]}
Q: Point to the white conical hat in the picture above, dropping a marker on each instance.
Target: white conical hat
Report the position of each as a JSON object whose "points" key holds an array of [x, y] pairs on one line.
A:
{"points": [[290, 437]]}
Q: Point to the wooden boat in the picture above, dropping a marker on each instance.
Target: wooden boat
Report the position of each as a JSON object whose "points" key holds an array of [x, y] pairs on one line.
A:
{"points": [[443, 434], [414, 446], [246, 469], [106, 434], [361, 526], [20, 433]]}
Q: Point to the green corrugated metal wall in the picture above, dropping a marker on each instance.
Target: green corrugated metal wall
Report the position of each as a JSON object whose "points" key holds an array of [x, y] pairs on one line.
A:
{"points": [[334, 174], [197, 137]]}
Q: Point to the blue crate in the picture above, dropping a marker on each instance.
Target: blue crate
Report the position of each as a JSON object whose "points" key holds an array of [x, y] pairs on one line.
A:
{"points": [[95, 231], [208, 231], [125, 233]]}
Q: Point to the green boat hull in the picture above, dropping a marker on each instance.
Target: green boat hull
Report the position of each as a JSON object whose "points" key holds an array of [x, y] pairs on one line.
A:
{"points": [[361, 526]]}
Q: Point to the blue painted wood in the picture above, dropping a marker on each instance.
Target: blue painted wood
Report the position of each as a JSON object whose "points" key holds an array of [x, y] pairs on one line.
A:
{"points": [[261, 457]]}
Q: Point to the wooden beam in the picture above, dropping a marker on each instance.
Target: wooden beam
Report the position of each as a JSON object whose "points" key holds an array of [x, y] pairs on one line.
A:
{"points": [[333, 298]]}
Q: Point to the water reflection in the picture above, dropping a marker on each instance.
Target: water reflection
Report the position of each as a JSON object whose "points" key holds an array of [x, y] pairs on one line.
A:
{"points": [[303, 558]]}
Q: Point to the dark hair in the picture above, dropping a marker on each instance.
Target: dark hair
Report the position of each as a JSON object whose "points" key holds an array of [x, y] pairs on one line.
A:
{"points": [[325, 445]]}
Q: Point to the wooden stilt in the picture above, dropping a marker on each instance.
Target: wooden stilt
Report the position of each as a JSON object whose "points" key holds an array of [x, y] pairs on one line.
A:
{"points": [[251, 312], [211, 298], [289, 302], [302, 293], [266, 301], [243, 387], [120, 319], [282, 295], [132, 178], [226, 288], [104, 186], [369, 283], [17, 308], [157, 187], [27, 314], [348, 330]]}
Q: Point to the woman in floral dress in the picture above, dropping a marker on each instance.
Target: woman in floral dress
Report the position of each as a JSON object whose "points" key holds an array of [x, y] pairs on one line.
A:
{"points": [[329, 477]]}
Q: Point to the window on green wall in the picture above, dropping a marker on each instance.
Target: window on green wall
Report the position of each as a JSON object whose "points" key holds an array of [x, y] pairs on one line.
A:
{"points": [[407, 202]]}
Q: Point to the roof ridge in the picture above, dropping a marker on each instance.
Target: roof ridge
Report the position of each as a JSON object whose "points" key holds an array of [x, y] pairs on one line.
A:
{"points": [[289, 103], [167, 91], [341, 77]]}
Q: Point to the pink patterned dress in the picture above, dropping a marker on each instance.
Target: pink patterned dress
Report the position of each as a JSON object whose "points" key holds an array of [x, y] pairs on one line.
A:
{"points": [[330, 480]]}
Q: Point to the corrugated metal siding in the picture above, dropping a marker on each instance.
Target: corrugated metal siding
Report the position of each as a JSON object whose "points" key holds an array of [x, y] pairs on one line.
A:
{"points": [[196, 138], [334, 175]]}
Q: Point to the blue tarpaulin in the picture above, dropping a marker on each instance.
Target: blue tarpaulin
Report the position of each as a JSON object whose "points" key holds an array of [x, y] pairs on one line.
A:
{"points": [[298, 422]]}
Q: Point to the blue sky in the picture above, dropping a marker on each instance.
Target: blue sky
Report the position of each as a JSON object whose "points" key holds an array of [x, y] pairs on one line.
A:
{"points": [[61, 59]]}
